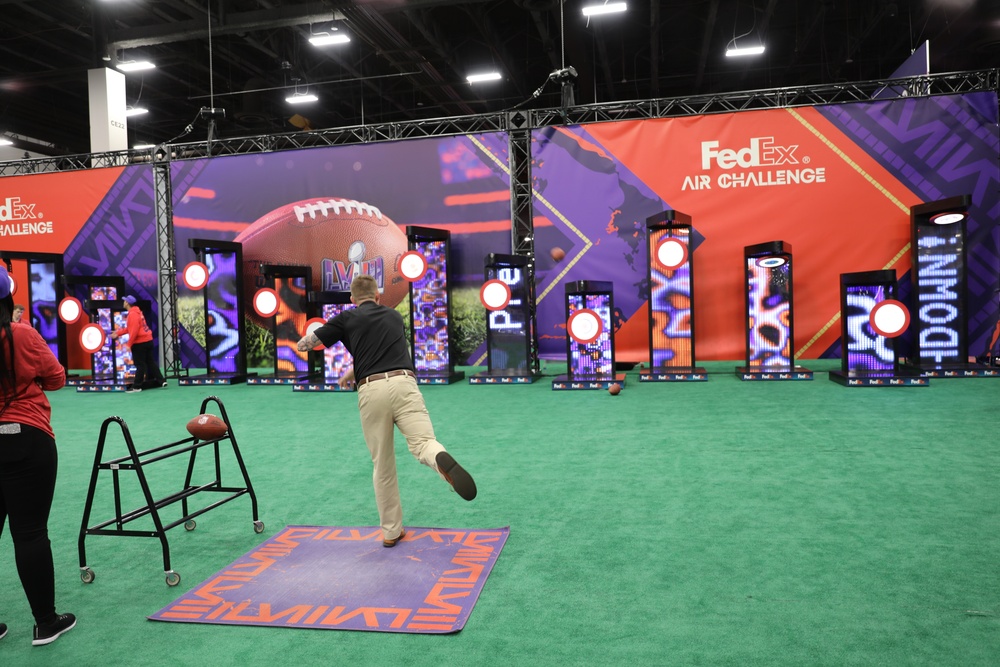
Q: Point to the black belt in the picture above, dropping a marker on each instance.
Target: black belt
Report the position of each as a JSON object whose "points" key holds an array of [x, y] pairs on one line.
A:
{"points": [[385, 376]]}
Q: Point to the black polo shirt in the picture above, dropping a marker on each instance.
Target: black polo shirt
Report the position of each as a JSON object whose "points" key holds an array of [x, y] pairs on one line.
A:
{"points": [[373, 334]]}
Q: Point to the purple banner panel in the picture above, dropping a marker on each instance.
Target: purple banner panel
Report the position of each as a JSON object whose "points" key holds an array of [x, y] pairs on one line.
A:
{"points": [[336, 578]]}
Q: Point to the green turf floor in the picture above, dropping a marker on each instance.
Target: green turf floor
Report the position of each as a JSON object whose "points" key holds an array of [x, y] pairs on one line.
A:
{"points": [[712, 523]]}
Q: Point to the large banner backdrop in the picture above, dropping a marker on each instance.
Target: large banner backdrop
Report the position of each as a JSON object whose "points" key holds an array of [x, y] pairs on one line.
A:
{"points": [[835, 182], [102, 221], [315, 195]]}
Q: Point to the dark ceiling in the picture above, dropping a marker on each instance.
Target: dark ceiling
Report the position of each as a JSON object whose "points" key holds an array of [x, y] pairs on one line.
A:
{"points": [[408, 59]]}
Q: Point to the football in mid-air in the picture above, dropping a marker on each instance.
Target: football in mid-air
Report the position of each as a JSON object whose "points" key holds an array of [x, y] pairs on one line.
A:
{"points": [[338, 238], [207, 427]]}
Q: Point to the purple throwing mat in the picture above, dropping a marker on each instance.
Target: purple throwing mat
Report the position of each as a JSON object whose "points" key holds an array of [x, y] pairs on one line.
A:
{"points": [[344, 579]]}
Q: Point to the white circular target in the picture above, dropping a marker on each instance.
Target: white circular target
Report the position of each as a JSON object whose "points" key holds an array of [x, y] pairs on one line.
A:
{"points": [[671, 253], [92, 338], [195, 275], [412, 266], [889, 318], [770, 262], [311, 325], [13, 285], [585, 326], [495, 294], [70, 310], [266, 302], [947, 218]]}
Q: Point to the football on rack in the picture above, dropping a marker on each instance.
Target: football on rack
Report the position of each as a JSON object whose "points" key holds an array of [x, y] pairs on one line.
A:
{"points": [[207, 427]]}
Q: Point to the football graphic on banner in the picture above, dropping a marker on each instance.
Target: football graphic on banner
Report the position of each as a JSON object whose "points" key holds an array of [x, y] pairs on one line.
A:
{"points": [[339, 238]]}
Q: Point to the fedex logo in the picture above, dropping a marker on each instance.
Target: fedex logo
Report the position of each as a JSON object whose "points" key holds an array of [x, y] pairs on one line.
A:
{"points": [[761, 152], [12, 209]]}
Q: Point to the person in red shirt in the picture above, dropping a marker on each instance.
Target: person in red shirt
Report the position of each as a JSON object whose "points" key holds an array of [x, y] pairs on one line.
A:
{"points": [[28, 463], [140, 341]]}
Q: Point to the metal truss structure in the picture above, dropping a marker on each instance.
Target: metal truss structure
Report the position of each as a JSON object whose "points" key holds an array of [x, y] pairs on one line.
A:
{"points": [[517, 124]]}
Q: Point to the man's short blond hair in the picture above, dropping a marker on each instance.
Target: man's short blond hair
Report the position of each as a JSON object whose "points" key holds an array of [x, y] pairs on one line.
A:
{"points": [[364, 287]]}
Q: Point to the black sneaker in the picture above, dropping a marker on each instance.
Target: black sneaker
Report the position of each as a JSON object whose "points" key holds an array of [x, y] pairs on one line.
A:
{"points": [[133, 390], [3, 630], [456, 475], [164, 385], [46, 634]]}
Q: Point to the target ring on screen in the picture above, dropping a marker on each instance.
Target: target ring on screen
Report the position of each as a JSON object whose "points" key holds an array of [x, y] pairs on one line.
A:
{"points": [[312, 324], [266, 302], [889, 318], [771, 262], [671, 253], [70, 310], [495, 294], [195, 275], [92, 338], [585, 326], [412, 266]]}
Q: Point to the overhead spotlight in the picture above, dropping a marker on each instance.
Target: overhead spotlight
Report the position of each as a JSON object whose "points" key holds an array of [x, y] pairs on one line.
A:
{"points": [[135, 111], [733, 51], [486, 76], [301, 98], [142, 147], [4, 141], [606, 8], [135, 66], [327, 40]]}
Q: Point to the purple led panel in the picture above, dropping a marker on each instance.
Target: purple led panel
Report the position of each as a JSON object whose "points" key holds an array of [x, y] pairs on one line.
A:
{"points": [[595, 359], [429, 303]]}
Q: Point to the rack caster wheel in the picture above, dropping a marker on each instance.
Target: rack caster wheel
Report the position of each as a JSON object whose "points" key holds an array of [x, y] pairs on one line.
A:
{"points": [[87, 575], [190, 525], [173, 578], [258, 527]]}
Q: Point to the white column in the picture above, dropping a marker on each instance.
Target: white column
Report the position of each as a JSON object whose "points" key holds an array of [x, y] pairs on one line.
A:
{"points": [[108, 130]]}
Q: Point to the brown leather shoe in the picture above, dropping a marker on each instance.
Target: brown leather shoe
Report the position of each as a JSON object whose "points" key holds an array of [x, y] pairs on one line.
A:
{"points": [[456, 475], [388, 544]]}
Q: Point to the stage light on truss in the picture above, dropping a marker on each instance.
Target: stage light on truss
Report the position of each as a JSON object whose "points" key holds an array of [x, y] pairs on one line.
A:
{"points": [[195, 276], [412, 266], [889, 318], [947, 218], [135, 111], [266, 302], [70, 310], [485, 76], [605, 8], [92, 338], [4, 141], [495, 295]]}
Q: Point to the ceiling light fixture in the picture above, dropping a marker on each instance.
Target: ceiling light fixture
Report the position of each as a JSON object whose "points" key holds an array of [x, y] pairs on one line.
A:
{"points": [[733, 51], [135, 66], [327, 40], [141, 146], [486, 76], [135, 111], [301, 98], [606, 8], [4, 141]]}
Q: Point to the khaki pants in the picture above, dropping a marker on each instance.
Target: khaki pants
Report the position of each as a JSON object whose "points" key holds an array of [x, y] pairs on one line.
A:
{"points": [[382, 404]]}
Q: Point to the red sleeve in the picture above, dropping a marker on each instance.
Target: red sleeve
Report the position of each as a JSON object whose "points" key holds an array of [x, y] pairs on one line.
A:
{"points": [[134, 324], [50, 373]]}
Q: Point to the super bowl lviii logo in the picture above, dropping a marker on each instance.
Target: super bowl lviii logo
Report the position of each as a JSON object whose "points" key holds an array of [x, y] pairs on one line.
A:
{"points": [[761, 162]]}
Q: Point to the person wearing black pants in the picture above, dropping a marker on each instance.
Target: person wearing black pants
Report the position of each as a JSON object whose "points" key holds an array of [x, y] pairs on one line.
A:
{"points": [[140, 341], [28, 463]]}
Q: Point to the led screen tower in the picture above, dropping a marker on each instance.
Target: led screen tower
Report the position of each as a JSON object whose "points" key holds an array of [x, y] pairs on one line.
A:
{"points": [[225, 335], [425, 267], [770, 340], [870, 321], [282, 302], [670, 252], [505, 294], [940, 319], [590, 337], [335, 361]]}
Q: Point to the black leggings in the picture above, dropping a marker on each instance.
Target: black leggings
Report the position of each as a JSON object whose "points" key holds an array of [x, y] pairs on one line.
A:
{"points": [[28, 463]]}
